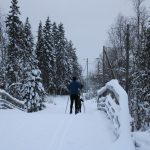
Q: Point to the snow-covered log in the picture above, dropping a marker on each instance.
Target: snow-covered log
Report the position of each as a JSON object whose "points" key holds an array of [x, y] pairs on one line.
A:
{"points": [[113, 100], [7, 101]]}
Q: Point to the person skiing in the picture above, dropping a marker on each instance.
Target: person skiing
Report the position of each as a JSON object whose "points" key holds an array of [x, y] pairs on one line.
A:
{"points": [[74, 87]]}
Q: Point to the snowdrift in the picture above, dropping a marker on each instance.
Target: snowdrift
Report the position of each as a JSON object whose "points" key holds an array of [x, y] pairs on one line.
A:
{"points": [[113, 94]]}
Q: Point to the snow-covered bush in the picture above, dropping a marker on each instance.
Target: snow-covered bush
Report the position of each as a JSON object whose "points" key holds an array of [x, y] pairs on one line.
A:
{"points": [[33, 92]]}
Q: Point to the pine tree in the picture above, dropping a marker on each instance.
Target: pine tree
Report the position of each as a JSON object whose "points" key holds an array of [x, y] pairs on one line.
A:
{"points": [[55, 47], [55, 35], [61, 59], [69, 49], [32, 90], [14, 49], [49, 56], [56, 56], [73, 65], [28, 57], [39, 48]]}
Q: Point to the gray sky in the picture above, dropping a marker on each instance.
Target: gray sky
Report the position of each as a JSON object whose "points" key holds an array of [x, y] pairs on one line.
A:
{"points": [[86, 22]]}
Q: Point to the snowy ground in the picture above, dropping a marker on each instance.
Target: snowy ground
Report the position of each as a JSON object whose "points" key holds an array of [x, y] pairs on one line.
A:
{"points": [[52, 129]]}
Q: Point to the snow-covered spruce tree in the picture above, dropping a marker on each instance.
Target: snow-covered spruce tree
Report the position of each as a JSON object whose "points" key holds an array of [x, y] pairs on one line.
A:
{"points": [[32, 90], [48, 72], [14, 48], [74, 68], [61, 60], [69, 49], [55, 47], [56, 57], [28, 58], [39, 48], [55, 35]]}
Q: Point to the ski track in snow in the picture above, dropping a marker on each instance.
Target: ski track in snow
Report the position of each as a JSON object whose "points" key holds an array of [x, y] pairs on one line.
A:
{"points": [[57, 141], [52, 129], [79, 132]]}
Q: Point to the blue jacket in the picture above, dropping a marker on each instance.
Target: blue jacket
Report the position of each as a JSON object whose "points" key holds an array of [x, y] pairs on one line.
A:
{"points": [[74, 87]]}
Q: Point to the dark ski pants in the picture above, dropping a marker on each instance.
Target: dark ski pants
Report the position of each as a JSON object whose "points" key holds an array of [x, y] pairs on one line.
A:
{"points": [[74, 98]]}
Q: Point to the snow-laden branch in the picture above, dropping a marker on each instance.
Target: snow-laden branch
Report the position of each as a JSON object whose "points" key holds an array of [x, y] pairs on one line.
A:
{"points": [[113, 100], [10, 101]]}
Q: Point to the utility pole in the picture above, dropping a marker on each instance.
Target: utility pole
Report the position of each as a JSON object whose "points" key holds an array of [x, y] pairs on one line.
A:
{"points": [[98, 70], [98, 67], [110, 66], [87, 64], [127, 59], [103, 67]]}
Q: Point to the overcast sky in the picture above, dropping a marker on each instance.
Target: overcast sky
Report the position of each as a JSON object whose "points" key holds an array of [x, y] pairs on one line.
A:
{"points": [[86, 22]]}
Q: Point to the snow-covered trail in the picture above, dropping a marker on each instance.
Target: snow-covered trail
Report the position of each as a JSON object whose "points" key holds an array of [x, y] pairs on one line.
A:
{"points": [[52, 129]]}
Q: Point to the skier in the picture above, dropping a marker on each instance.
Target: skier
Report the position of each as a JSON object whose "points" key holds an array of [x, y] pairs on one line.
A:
{"points": [[74, 87]]}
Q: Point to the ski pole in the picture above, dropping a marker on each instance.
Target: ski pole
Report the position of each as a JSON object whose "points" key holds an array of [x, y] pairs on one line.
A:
{"points": [[67, 105], [83, 103], [84, 106]]}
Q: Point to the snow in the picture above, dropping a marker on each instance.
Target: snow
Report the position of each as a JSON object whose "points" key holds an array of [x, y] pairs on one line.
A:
{"points": [[142, 140], [124, 142], [52, 129]]}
